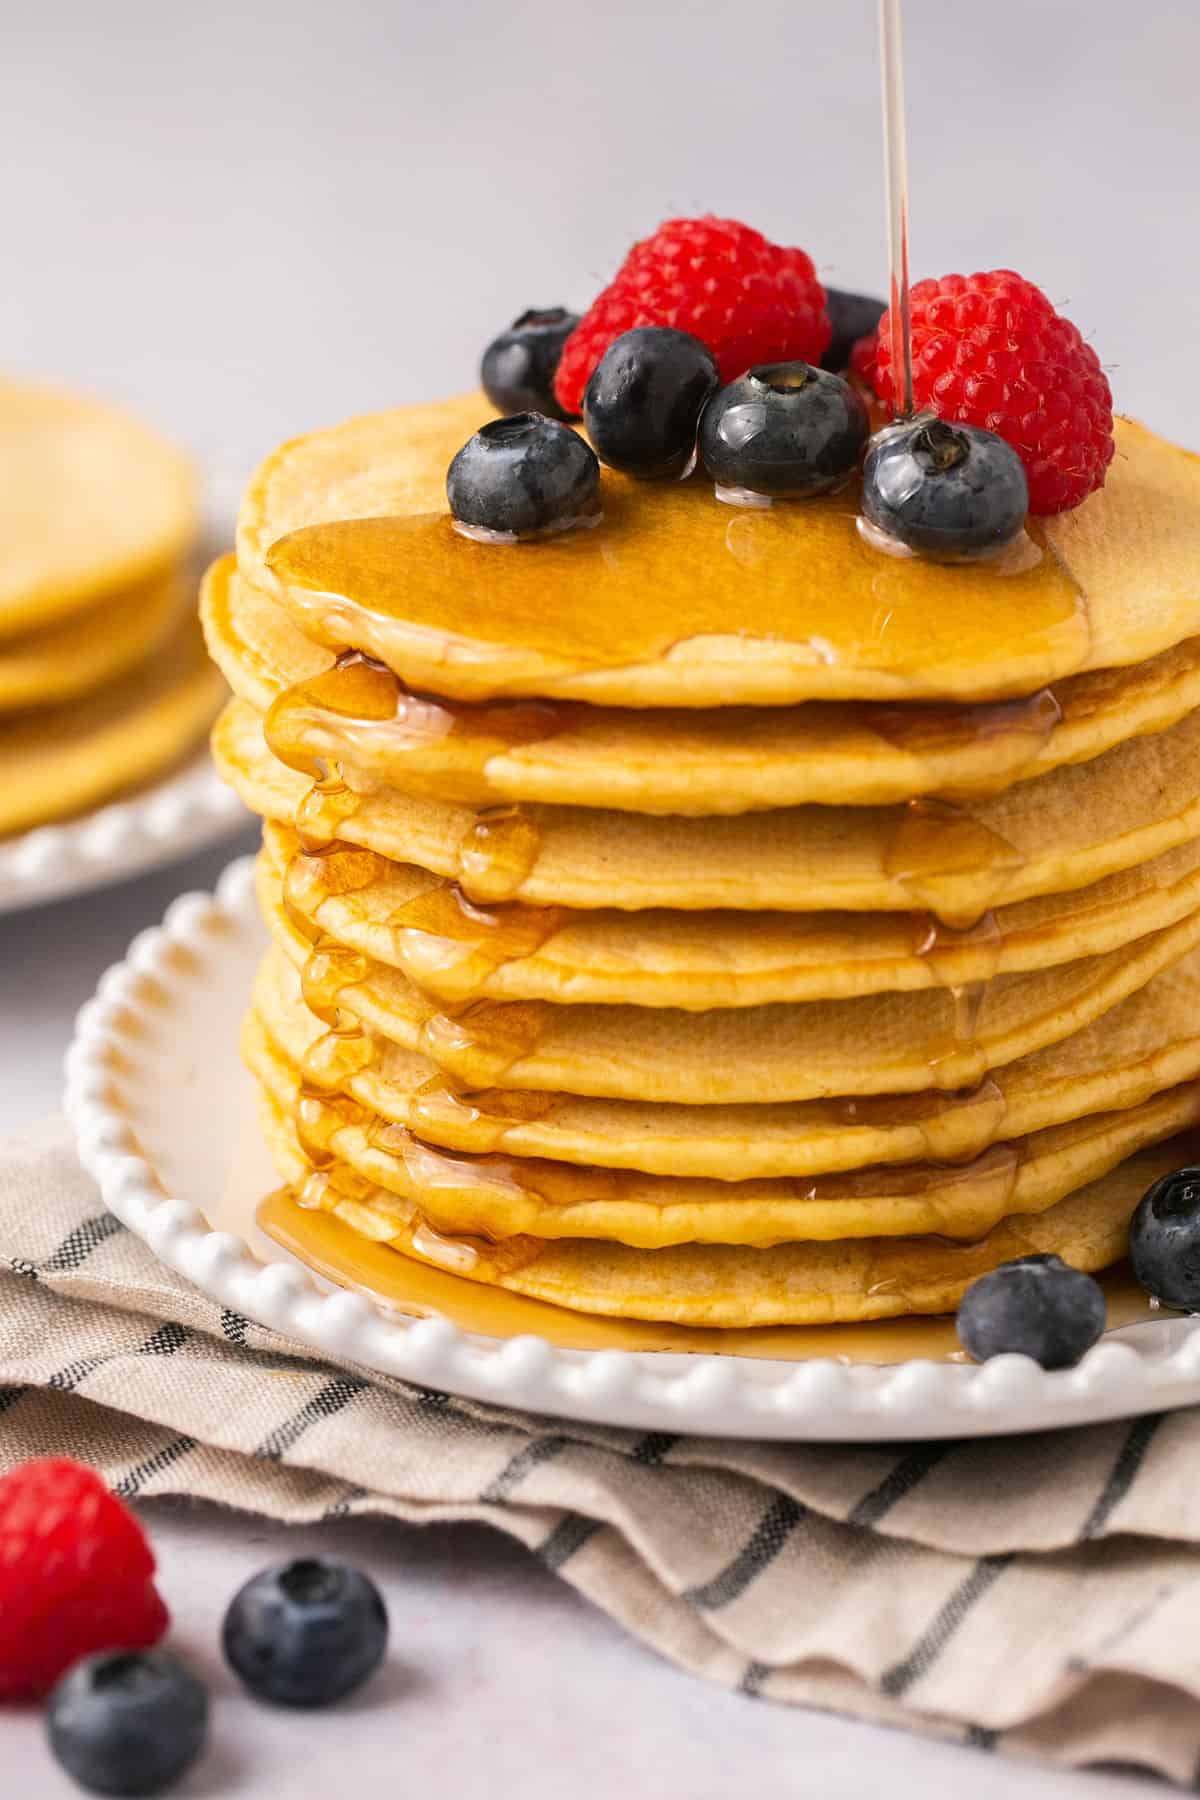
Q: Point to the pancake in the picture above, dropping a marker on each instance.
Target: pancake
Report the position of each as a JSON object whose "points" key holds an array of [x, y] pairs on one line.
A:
{"points": [[642, 606], [398, 914], [501, 1197], [92, 503], [1147, 1044], [723, 1285], [1071, 828], [725, 760], [79, 655], [68, 758], [877, 1044]]}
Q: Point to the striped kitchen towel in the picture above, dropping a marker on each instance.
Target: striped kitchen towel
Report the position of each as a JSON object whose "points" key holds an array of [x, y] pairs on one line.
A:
{"points": [[1037, 1595]]}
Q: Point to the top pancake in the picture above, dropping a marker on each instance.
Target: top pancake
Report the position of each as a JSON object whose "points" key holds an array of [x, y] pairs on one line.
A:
{"points": [[676, 600], [91, 502]]}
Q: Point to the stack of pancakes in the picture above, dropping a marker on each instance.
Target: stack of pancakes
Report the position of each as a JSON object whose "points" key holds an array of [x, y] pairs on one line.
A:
{"points": [[103, 679], [705, 917]]}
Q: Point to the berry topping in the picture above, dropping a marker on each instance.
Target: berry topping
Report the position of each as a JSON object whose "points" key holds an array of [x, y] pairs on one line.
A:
{"points": [[1037, 1306], [783, 429], [643, 404], [306, 1633], [990, 350], [949, 492], [851, 317], [518, 368], [128, 1722], [748, 300], [862, 359], [523, 477], [1164, 1240], [76, 1575]]}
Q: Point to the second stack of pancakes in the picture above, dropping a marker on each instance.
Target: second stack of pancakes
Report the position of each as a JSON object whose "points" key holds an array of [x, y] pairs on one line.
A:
{"points": [[704, 917]]}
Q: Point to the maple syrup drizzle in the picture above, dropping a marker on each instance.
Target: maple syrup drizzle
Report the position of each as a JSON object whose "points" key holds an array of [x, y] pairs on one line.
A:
{"points": [[664, 570], [497, 853], [936, 843], [325, 1104], [1014, 731], [450, 946], [359, 713]]}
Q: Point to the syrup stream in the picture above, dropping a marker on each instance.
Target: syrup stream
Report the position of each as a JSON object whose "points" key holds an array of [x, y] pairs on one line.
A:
{"points": [[895, 164]]}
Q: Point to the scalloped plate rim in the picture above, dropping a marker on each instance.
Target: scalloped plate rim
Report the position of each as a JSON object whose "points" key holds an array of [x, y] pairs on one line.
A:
{"points": [[183, 813], [1150, 1367]]}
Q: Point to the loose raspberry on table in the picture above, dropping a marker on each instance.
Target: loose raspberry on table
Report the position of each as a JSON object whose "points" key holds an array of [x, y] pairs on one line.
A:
{"points": [[749, 300], [76, 1576], [990, 350]]}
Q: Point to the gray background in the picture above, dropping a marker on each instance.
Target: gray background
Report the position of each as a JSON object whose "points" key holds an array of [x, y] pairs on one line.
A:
{"points": [[250, 221]]}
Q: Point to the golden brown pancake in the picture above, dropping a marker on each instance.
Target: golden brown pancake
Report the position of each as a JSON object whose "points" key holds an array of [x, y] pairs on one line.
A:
{"points": [[398, 914], [677, 601], [722, 760], [93, 503], [64, 759], [732, 1286]]}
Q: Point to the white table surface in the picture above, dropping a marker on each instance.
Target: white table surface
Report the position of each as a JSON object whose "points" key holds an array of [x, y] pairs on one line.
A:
{"points": [[247, 221]]}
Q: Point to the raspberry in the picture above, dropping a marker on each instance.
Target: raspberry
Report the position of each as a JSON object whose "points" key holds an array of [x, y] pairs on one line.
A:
{"points": [[76, 1576], [749, 300], [990, 350], [862, 358]]}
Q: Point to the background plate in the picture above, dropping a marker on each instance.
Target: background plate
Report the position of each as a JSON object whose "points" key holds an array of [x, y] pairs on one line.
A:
{"points": [[175, 817], [164, 1121]]}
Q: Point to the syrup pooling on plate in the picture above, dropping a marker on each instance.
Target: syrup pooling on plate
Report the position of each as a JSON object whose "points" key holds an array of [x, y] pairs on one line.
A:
{"points": [[404, 1285], [659, 574]]}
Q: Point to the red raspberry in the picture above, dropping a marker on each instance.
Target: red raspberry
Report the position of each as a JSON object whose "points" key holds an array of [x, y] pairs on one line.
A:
{"points": [[989, 349], [76, 1575], [749, 300], [862, 358]]}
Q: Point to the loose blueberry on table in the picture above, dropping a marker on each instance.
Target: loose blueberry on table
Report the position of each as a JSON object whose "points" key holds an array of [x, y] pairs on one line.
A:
{"points": [[306, 1633], [524, 476], [127, 1722], [642, 406], [1164, 1240], [783, 431], [945, 491], [518, 368], [1036, 1306]]}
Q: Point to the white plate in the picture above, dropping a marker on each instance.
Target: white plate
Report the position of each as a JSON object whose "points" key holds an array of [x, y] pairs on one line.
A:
{"points": [[176, 817], [163, 1117]]}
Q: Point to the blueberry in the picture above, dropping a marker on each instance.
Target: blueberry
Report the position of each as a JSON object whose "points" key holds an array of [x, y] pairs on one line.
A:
{"points": [[644, 400], [947, 491], [783, 429], [852, 316], [306, 1633], [519, 366], [523, 476], [1037, 1306], [1164, 1240], [127, 1722]]}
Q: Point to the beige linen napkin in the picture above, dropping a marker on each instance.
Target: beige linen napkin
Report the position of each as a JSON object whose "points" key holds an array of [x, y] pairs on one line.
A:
{"points": [[1038, 1595]]}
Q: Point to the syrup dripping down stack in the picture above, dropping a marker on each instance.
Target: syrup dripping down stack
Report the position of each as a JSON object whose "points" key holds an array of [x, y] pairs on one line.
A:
{"points": [[704, 918]]}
